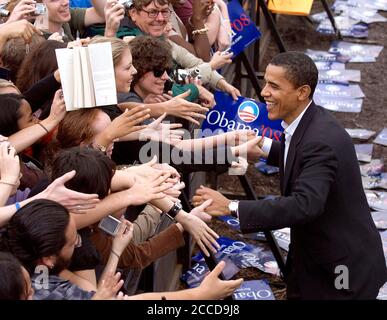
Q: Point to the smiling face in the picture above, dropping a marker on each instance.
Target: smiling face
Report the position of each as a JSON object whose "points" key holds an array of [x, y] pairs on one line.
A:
{"points": [[152, 26], [124, 72], [150, 84], [58, 11], [284, 101]]}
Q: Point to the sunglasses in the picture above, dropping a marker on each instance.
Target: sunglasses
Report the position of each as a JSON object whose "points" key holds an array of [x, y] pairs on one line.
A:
{"points": [[159, 72]]}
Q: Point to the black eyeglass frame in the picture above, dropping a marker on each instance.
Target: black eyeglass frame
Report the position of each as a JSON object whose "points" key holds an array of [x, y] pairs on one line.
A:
{"points": [[166, 13]]}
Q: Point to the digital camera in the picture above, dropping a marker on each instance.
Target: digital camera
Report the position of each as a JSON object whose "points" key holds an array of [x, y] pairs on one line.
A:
{"points": [[126, 3], [182, 74], [40, 9]]}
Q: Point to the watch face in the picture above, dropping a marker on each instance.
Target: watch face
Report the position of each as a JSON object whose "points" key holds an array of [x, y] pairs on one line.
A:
{"points": [[233, 205]]}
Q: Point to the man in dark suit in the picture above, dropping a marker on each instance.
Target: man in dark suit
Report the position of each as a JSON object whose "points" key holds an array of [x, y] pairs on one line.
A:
{"points": [[335, 250]]}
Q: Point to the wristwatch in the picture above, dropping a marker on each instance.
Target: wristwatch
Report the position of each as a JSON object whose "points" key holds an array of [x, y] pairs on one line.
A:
{"points": [[174, 210], [233, 207]]}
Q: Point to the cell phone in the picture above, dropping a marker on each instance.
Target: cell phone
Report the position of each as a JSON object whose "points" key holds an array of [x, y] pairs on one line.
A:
{"points": [[110, 225]]}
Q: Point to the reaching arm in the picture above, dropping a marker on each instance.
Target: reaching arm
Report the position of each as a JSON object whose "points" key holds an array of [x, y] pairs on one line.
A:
{"points": [[9, 171], [56, 191], [95, 14], [211, 288], [141, 192], [28, 136]]}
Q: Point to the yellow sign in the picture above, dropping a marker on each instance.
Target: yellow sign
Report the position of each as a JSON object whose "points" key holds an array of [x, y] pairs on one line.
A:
{"points": [[295, 7]]}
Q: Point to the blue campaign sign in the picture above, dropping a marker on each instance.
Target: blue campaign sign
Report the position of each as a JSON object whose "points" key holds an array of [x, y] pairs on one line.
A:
{"points": [[244, 31], [242, 114]]}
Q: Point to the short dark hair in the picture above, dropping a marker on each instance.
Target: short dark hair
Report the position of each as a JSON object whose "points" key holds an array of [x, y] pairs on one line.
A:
{"points": [[149, 53], [37, 230], [94, 170], [300, 69], [12, 284], [10, 105]]}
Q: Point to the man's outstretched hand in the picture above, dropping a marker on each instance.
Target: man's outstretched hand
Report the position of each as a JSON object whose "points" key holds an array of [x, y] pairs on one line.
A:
{"points": [[219, 205]]}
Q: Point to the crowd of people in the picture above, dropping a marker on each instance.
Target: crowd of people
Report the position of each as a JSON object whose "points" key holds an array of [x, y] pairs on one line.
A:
{"points": [[63, 172], [63, 165]]}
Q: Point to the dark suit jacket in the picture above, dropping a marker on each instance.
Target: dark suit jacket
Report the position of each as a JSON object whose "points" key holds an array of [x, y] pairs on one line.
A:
{"points": [[324, 204]]}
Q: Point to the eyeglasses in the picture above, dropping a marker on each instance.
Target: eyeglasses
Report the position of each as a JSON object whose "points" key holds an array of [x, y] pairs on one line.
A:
{"points": [[166, 13], [159, 72]]}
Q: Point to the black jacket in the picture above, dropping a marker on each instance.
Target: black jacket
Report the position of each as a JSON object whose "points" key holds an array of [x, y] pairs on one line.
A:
{"points": [[324, 204]]}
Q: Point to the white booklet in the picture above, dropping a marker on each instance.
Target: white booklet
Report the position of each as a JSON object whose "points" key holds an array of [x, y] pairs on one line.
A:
{"points": [[87, 76]]}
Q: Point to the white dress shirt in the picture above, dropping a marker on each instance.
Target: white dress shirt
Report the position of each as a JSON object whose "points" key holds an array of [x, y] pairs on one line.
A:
{"points": [[289, 130]]}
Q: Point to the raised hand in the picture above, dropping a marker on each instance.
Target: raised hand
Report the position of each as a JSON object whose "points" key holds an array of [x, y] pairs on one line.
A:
{"points": [[228, 88], [204, 236], [199, 211], [128, 122], [179, 107], [22, 10], [123, 237], [114, 13], [108, 287], [146, 190], [219, 60], [201, 9], [173, 193], [9, 164], [158, 131], [74, 201], [212, 288], [58, 107], [165, 167]]}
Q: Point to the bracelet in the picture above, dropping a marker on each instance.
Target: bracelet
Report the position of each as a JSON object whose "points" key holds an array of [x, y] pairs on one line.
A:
{"points": [[200, 31], [116, 254], [8, 183], [45, 129], [17, 205]]}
